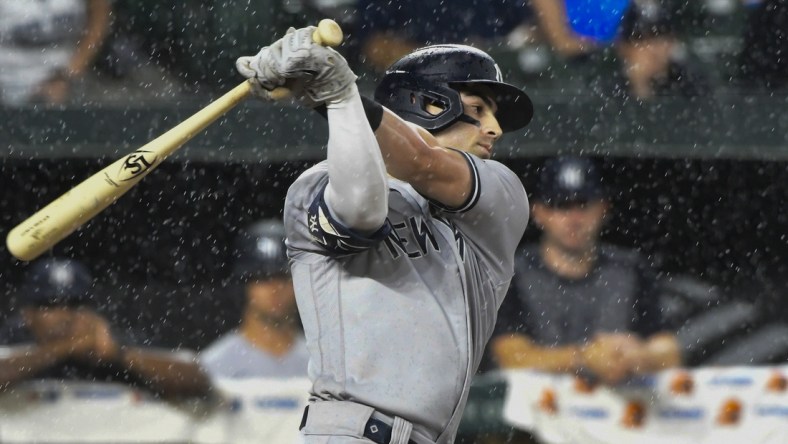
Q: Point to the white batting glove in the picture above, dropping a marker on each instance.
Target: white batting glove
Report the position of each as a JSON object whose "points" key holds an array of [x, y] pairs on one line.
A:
{"points": [[319, 73]]}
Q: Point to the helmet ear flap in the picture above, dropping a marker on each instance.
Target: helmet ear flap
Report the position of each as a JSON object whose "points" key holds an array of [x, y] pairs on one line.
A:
{"points": [[430, 105], [428, 75]]}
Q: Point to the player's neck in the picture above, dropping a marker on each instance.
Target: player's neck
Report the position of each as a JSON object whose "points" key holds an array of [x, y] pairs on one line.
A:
{"points": [[274, 338], [567, 264]]}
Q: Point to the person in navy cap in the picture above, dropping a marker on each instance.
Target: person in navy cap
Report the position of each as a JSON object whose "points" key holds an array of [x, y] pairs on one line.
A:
{"points": [[576, 304], [269, 341], [58, 333]]}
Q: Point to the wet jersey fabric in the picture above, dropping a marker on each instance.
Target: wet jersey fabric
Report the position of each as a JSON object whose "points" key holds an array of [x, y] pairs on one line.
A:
{"points": [[398, 320], [617, 296], [233, 356]]}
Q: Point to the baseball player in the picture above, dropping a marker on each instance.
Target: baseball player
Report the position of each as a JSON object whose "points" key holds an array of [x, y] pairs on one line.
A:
{"points": [[268, 342], [401, 242]]}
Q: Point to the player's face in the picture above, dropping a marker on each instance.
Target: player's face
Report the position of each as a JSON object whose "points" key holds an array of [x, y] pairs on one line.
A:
{"points": [[478, 140], [272, 298], [574, 228]]}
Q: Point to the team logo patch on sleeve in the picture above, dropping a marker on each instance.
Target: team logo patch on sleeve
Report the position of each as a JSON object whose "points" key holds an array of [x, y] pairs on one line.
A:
{"points": [[336, 238]]}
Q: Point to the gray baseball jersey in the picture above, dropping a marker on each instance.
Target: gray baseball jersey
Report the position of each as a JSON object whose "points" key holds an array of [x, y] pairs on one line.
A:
{"points": [[398, 320], [232, 356]]}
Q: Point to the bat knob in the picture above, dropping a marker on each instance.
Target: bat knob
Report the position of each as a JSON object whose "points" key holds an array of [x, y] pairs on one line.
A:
{"points": [[328, 33]]}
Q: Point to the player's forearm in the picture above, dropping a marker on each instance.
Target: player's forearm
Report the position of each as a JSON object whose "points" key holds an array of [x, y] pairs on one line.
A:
{"points": [[95, 32], [168, 373], [554, 23], [20, 363], [406, 152], [357, 192], [552, 17], [520, 352], [661, 351]]}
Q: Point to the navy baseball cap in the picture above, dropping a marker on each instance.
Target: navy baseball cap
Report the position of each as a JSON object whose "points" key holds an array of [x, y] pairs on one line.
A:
{"points": [[56, 281], [569, 179], [260, 252]]}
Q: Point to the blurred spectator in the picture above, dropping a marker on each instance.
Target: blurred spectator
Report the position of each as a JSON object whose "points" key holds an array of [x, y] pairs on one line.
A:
{"points": [[196, 43], [60, 335], [651, 57], [576, 304], [269, 342], [764, 58], [45, 45], [389, 30]]}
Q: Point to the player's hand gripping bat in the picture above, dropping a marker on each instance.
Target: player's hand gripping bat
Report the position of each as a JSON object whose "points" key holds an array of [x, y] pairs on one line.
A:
{"points": [[65, 214]]}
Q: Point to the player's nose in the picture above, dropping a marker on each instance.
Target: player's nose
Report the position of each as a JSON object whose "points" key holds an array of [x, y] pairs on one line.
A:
{"points": [[490, 127]]}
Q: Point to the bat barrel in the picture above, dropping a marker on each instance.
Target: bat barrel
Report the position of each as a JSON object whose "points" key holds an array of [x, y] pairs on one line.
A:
{"points": [[61, 217]]}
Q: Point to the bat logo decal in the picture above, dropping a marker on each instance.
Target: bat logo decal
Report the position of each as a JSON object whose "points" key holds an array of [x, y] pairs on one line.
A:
{"points": [[137, 164]]}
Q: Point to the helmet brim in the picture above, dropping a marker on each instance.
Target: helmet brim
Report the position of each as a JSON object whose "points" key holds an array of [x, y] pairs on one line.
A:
{"points": [[515, 109]]}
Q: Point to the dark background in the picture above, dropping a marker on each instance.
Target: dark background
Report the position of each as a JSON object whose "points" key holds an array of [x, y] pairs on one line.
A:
{"points": [[161, 254]]}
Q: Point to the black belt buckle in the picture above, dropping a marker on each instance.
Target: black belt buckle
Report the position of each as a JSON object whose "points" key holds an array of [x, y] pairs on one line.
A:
{"points": [[377, 431]]}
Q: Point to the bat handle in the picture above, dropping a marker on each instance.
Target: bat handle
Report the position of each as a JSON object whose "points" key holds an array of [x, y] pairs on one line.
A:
{"points": [[328, 33]]}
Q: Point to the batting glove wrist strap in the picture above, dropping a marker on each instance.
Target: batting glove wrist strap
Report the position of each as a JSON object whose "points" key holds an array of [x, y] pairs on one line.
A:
{"points": [[374, 112], [372, 109]]}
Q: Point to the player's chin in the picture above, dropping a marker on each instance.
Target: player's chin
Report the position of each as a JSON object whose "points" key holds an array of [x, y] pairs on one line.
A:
{"points": [[482, 152]]}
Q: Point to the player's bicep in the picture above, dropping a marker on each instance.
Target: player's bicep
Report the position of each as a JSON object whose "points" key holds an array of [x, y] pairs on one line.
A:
{"points": [[413, 155], [333, 236], [449, 179]]}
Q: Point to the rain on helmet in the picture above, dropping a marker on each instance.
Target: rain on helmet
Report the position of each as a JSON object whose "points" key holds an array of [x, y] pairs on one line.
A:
{"points": [[432, 75], [259, 251]]}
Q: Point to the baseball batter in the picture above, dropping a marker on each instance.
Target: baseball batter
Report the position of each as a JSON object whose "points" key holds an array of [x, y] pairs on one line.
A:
{"points": [[402, 241]]}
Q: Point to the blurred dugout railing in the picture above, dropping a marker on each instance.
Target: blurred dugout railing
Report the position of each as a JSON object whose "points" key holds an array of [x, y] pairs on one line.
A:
{"points": [[726, 126]]}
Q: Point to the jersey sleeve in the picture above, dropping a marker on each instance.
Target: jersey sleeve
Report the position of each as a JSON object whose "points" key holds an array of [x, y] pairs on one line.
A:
{"points": [[494, 216], [312, 228]]}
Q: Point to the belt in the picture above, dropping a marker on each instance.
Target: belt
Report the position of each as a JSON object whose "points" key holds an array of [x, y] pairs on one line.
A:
{"points": [[375, 430]]}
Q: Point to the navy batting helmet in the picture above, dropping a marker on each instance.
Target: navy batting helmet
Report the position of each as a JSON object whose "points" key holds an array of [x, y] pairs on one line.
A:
{"points": [[432, 75], [569, 179], [260, 252], [56, 281]]}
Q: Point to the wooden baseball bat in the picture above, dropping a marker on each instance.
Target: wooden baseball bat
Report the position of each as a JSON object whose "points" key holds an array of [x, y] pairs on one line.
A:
{"points": [[65, 214]]}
